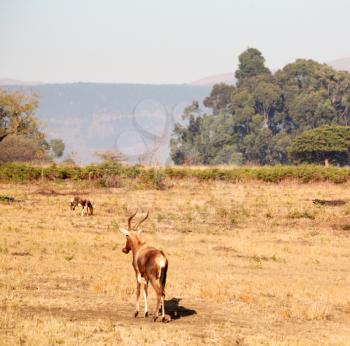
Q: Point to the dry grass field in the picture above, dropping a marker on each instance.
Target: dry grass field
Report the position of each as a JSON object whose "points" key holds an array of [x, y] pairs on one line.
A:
{"points": [[249, 264]]}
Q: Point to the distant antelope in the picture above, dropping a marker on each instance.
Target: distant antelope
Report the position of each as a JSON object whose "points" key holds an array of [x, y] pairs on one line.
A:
{"points": [[84, 203], [150, 264]]}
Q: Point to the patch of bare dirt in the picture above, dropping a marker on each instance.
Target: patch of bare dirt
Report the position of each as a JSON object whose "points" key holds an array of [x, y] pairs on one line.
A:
{"points": [[112, 312]]}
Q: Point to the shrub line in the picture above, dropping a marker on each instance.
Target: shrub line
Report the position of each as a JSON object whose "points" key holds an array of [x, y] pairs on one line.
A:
{"points": [[23, 172]]}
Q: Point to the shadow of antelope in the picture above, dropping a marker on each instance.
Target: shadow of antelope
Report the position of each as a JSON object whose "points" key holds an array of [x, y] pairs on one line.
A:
{"points": [[176, 311]]}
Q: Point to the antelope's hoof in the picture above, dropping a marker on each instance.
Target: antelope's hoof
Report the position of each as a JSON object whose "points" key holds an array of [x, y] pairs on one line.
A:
{"points": [[155, 318], [166, 319], [136, 314], [146, 314]]}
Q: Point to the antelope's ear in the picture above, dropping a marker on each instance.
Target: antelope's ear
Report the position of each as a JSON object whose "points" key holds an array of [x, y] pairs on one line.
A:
{"points": [[139, 231], [124, 231]]}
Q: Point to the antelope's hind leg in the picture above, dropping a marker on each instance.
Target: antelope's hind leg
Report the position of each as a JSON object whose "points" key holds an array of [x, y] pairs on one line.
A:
{"points": [[156, 286], [145, 295], [138, 292], [163, 308]]}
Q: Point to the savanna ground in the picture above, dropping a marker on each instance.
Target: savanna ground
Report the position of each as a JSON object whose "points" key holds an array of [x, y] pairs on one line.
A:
{"points": [[250, 264]]}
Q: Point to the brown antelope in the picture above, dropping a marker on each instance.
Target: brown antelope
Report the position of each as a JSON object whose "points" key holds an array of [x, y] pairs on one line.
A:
{"points": [[150, 265], [84, 203]]}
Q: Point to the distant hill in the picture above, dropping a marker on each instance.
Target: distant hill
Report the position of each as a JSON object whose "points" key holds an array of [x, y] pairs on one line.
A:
{"points": [[228, 78], [341, 64], [9, 81], [95, 116]]}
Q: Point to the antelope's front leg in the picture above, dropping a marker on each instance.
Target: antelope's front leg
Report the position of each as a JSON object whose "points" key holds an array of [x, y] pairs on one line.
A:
{"points": [[138, 291]]}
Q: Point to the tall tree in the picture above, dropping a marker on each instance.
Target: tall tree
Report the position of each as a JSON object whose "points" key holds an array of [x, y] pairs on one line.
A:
{"points": [[20, 136], [251, 64], [185, 140], [17, 113], [266, 95], [257, 119]]}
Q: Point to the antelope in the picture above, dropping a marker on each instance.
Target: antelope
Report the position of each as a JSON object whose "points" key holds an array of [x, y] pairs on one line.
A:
{"points": [[84, 203], [150, 265]]}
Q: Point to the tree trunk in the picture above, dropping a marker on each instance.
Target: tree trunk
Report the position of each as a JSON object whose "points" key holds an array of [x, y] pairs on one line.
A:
{"points": [[326, 163], [266, 119]]}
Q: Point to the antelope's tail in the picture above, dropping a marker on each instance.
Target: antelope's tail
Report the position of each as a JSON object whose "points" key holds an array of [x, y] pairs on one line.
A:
{"points": [[162, 278]]}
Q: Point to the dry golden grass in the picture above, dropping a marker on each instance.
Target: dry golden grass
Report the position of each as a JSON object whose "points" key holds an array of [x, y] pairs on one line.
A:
{"points": [[250, 264]]}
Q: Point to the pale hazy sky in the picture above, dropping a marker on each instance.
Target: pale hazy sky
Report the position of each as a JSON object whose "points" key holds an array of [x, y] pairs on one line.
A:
{"points": [[163, 41]]}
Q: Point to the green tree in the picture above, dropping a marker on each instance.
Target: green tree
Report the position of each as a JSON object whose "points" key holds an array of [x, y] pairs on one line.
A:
{"points": [[323, 144], [185, 140], [256, 120], [267, 96], [345, 112], [57, 146], [17, 113], [110, 156], [251, 64], [20, 136], [219, 98], [19, 149], [314, 94]]}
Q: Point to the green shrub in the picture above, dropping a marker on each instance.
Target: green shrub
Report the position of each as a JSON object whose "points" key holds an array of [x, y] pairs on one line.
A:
{"points": [[154, 178], [110, 174]]}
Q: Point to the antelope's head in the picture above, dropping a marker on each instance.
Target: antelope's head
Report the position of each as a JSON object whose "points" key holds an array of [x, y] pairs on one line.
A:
{"points": [[132, 233]]}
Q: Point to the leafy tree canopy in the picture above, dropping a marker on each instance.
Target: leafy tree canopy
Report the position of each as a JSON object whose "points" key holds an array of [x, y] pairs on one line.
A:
{"points": [[257, 120], [110, 156], [17, 113], [20, 136], [251, 64], [57, 147], [331, 143]]}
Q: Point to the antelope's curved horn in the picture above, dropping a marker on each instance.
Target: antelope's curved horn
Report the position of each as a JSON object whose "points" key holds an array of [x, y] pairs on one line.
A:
{"points": [[139, 223], [130, 218]]}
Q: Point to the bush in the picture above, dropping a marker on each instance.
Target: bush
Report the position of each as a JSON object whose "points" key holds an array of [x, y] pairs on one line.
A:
{"points": [[325, 143], [111, 181], [154, 178], [19, 172], [112, 174]]}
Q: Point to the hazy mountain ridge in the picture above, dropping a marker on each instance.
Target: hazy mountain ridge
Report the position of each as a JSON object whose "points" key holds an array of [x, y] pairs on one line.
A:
{"points": [[229, 78], [10, 81], [340, 64], [96, 116], [100, 116]]}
